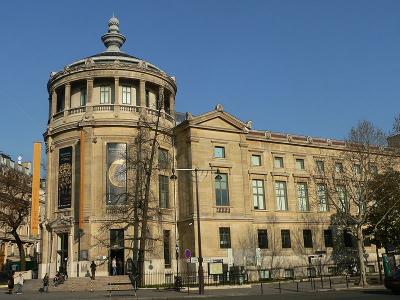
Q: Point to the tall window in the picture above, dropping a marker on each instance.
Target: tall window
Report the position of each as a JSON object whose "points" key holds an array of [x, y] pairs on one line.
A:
{"points": [[342, 198], [126, 94], [262, 238], [281, 195], [328, 238], [307, 238], [163, 159], [163, 191], [147, 98], [167, 249], [356, 169], [256, 160], [219, 152], [320, 167], [302, 194], [278, 162], [221, 190], [258, 194], [322, 199], [285, 235], [300, 164], [83, 96], [116, 173], [339, 167], [347, 238], [224, 237], [105, 94]]}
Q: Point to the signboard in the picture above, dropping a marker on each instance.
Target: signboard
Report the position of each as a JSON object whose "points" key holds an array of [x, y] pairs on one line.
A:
{"points": [[194, 260], [65, 177], [188, 253], [215, 268], [37, 150]]}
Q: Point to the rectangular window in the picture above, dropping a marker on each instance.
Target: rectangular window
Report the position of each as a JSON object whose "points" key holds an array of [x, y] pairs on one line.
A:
{"points": [[357, 169], [338, 167], [367, 239], [83, 96], [105, 94], [307, 238], [256, 160], [373, 169], [116, 174], [302, 194], [281, 195], [163, 159], [126, 94], [167, 249], [278, 162], [300, 164], [322, 199], [219, 152], [320, 167], [347, 238], [342, 198], [224, 237], [262, 238], [328, 238], [117, 238], [147, 98], [258, 194], [221, 190], [285, 235], [163, 191]]}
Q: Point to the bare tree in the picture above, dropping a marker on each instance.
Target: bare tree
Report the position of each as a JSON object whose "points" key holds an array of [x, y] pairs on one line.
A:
{"points": [[15, 196], [347, 177]]}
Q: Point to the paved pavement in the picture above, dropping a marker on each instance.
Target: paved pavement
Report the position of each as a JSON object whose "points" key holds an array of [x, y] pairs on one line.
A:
{"points": [[271, 292]]}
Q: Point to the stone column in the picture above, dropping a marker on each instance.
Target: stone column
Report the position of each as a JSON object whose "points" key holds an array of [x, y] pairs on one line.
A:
{"points": [[142, 93], [116, 95], [67, 98], [160, 100], [71, 262], [89, 90], [53, 103], [172, 105]]}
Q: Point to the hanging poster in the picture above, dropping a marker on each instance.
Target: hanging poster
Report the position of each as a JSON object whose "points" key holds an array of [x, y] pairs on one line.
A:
{"points": [[116, 173], [65, 177]]}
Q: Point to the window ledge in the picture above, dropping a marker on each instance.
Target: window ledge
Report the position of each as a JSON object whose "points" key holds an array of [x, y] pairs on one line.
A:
{"points": [[257, 170], [277, 173]]}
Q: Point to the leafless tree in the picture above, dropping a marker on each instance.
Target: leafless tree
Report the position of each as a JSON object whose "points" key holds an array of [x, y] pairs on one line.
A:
{"points": [[15, 203], [346, 178]]}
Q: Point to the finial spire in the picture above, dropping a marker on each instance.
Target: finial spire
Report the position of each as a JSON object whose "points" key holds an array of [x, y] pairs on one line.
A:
{"points": [[113, 39]]}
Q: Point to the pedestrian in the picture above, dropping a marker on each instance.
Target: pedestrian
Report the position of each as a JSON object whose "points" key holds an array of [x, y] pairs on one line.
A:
{"points": [[46, 283], [20, 283], [10, 282], [114, 266], [93, 269]]}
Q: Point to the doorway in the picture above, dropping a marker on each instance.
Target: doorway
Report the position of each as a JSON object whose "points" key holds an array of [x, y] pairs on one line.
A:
{"points": [[62, 252], [117, 250]]}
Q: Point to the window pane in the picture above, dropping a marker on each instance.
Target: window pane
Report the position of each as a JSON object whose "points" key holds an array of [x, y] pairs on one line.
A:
{"points": [[167, 249], [256, 160], [278, 162], [302, 194], [219, 152], [221, 190], [163, 182], [224, 237], [338, 167], [307, 237], [342, 198], [262, 239], [322, 200], [281, 195], [258, 194], [320, 167], [328, 238], [285, 235], [300, 164], [83, 97], [163, 159]]}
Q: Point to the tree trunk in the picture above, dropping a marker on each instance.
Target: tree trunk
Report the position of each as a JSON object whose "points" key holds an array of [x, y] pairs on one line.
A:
{"points": [[20, 249], [360, 251], [136, 204]]}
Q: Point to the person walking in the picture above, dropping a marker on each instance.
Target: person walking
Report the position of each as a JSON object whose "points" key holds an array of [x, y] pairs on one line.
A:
{"points": [[46, 283], [10, 282], [114, 266], [20, 283], [93, 269]]}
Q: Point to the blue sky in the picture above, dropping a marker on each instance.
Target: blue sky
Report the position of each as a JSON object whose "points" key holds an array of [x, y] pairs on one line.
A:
{"points": [[305, 67]]}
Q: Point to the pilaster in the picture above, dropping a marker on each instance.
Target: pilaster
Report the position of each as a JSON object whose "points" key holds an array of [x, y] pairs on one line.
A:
{"points": [[67, 96], [53, 103], [89, 89], [142, 93]]}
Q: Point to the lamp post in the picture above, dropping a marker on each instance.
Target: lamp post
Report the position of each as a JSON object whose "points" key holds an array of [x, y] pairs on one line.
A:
{"points": [[200, 269]]}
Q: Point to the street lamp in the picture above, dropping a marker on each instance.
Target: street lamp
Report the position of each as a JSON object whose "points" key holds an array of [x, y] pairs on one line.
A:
{"points": [[218, 177]]}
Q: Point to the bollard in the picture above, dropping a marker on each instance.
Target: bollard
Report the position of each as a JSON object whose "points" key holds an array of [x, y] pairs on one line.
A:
{"points": [[262, 290], [330, 282], [297, 287], [347, 282], [322, 282], [280, 290]]}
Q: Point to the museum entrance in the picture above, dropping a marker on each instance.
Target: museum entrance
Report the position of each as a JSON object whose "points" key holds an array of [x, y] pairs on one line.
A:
{"points": [[62, 252], [117, 255]]}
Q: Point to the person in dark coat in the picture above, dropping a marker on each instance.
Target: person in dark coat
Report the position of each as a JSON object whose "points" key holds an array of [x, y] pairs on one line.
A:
{"points": [[46, 283], [93, 269], [10, 282]]}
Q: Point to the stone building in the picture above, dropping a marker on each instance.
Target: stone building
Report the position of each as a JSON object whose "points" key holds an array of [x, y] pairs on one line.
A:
{"points": [[259, 205]]}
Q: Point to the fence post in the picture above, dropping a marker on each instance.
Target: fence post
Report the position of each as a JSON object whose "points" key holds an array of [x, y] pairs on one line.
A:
{"points": [[347, 282], [280, 290], [311, 282], [322, 282], [330, 282], [314, 284], [297, 288], [262, 290]]}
